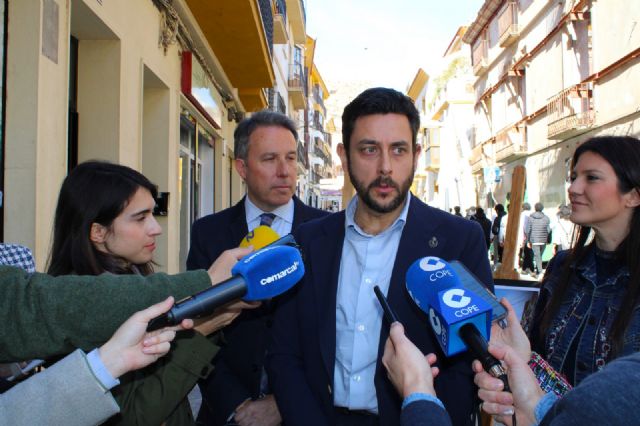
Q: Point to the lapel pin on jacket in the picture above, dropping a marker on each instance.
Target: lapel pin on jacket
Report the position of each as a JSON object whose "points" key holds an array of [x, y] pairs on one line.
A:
{"points": [[433, 242]]}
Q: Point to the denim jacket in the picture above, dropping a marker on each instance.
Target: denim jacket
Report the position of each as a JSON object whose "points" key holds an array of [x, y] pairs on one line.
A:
{"points": [[589, 306]]}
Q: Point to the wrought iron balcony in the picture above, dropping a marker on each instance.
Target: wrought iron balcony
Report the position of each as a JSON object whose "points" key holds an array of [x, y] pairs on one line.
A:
{"points": [[508, 24], [570, 112], [303, 156], [296, 83], [279, 22]]}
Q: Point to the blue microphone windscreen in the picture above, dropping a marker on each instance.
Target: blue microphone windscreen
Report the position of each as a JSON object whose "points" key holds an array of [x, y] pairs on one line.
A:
{"points": [[270, 271], [428, 276]]}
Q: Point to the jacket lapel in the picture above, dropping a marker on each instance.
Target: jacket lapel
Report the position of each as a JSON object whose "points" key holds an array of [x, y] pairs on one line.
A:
{"points": [[326, 252], [238, 226]]}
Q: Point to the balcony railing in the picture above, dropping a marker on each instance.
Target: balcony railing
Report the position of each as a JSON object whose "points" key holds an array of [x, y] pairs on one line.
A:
{"points": [[267, 21], [508, 24], [317, 98], [321, 151], [511, 143], [279, 22], [318, 121], [479, 57], [303, 156], [296, 84], [570, 112]]}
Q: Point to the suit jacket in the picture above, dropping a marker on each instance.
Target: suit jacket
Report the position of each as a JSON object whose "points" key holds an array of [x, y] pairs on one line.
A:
{"points": [[423, 412], [67, 393], [302, 354], [239, 363]]}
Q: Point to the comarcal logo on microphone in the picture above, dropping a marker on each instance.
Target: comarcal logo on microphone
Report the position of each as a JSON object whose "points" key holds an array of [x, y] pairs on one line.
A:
{"points": [[277, 276]]}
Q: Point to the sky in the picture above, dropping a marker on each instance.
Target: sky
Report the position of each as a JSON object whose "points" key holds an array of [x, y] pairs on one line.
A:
{"points": [[383, 41]]}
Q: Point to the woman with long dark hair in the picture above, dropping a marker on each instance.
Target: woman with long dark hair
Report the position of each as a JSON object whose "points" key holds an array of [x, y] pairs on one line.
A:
{"points": [[588, 310], [104, 223], [92, 232]]}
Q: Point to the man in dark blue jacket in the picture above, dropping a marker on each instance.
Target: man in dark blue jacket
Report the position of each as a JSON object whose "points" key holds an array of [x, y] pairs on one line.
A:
{"points": [[327, 338], [265, 148]]}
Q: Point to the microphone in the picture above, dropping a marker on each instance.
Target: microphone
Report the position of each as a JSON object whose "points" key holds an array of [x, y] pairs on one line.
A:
{"points": [[260, 237], [260, 275], [459, 315]]}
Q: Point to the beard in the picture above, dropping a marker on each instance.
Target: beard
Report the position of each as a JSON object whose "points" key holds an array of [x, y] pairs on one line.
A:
{"points": [[365, 192]]}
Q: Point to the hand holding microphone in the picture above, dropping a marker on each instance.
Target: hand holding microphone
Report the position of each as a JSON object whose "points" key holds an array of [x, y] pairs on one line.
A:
{"points": [[524, 395], [260, 237], [459, 309], [257, 276]]}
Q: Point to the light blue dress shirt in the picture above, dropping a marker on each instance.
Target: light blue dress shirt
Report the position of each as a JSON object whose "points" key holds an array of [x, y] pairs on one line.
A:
{"points": [[281, 224], [367, 261], [100, 370]]}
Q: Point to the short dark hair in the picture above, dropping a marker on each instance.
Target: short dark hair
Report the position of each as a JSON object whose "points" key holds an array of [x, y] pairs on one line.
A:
{"points": [[94, 192], [262, 118], [379, 100], [538, 207], [499, 208]]}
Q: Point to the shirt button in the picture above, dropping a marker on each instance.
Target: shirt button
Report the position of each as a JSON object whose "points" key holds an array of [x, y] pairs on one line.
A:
{"points": [[361, 327], [367, 280], [582, 366], [356, 378]]}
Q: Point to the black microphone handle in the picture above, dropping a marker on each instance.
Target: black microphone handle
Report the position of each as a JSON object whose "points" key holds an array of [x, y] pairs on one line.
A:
{"points": [[477, 344], [201, 304]]}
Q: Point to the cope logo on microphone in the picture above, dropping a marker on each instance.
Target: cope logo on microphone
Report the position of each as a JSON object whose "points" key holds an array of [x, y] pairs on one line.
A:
{"points": [[436, 267], [430, 264], [435, 322], [455, 298]]}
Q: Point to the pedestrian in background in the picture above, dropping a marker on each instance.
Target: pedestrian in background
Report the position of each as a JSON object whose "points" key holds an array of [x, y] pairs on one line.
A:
{"points": [[526, 251], [495, 232], [562, 229], [537, 235], [485, 223]]}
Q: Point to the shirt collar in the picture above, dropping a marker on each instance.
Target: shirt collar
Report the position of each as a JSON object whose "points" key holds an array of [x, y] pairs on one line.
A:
{"points": [[284, 212], [351, 211]]}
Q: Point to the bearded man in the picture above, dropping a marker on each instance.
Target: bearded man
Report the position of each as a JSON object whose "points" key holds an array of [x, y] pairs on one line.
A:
{"points": [[328, 335]]}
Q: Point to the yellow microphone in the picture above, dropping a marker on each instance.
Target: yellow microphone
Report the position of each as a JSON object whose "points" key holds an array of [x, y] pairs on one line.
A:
{"points": [[260, 237]]}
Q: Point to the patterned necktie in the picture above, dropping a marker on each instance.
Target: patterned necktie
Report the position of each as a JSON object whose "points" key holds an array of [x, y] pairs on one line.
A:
{"points": [[267, 219]]}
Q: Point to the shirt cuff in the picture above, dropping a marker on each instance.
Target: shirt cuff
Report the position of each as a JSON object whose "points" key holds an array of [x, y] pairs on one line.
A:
{"points": [[417, 396], [100, 371], [544, 405]]}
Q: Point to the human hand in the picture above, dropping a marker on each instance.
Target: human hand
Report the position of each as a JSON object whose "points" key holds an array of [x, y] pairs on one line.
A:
{"points": [[220, 270], [408, 369], [512, 335], [525, 392], [261, 412], [222, 317], [131, 347]]}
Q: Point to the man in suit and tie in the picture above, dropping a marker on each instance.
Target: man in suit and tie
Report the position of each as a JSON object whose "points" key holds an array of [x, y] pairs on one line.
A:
{"points": [[265, 148], [328, 336]]}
